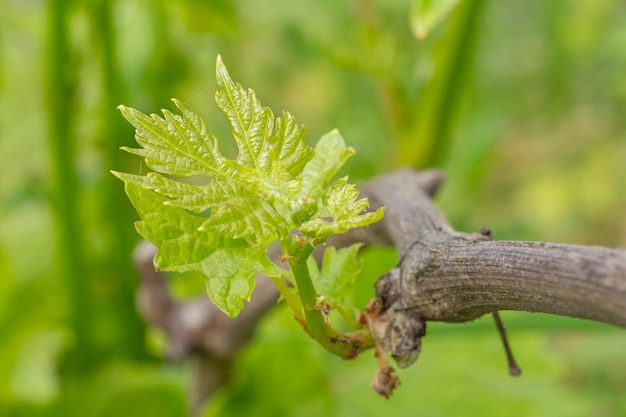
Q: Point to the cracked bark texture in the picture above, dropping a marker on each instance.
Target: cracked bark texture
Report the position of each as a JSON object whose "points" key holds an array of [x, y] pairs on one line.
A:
{"points": [[442, 275], [445, 275]]}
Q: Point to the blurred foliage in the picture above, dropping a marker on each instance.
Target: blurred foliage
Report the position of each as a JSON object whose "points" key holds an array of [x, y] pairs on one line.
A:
{"points": [[522, 103]]}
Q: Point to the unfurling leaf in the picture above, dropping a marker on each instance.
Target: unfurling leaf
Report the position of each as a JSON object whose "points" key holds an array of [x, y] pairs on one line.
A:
{"points": [[339, 270]]}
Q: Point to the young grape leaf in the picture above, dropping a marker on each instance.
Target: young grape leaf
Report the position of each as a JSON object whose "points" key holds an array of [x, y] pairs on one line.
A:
{"points": [[339, 270], [215, 215], [229, 265]]}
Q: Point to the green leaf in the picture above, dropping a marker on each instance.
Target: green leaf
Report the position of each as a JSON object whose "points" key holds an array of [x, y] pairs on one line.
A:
{"points": [[175, 145], [338, 206], [230, 276], [216, 215], [261, 140], [344, 212], [426, 14], [331, 153], [339, 270], [229, 264]]}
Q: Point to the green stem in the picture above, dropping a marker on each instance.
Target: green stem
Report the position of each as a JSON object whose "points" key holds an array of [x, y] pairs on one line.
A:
{"points": [[440, 105], [65, 186], [290, 297], [308, 295], [120, 236], [345, 345]]}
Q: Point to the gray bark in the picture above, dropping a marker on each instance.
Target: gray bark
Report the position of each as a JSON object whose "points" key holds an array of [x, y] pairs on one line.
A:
{"points": [[445, 275]]}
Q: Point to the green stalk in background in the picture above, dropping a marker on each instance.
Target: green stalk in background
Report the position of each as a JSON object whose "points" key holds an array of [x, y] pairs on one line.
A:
{"points": [[428, 142], [120, 237], [65, 186]]}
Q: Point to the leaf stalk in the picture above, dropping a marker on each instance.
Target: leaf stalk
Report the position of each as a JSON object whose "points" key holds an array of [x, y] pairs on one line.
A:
{"points": [[345, 345]]}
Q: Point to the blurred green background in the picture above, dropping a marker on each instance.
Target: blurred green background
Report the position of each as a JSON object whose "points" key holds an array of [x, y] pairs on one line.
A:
{"points": [[522, 103]]}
